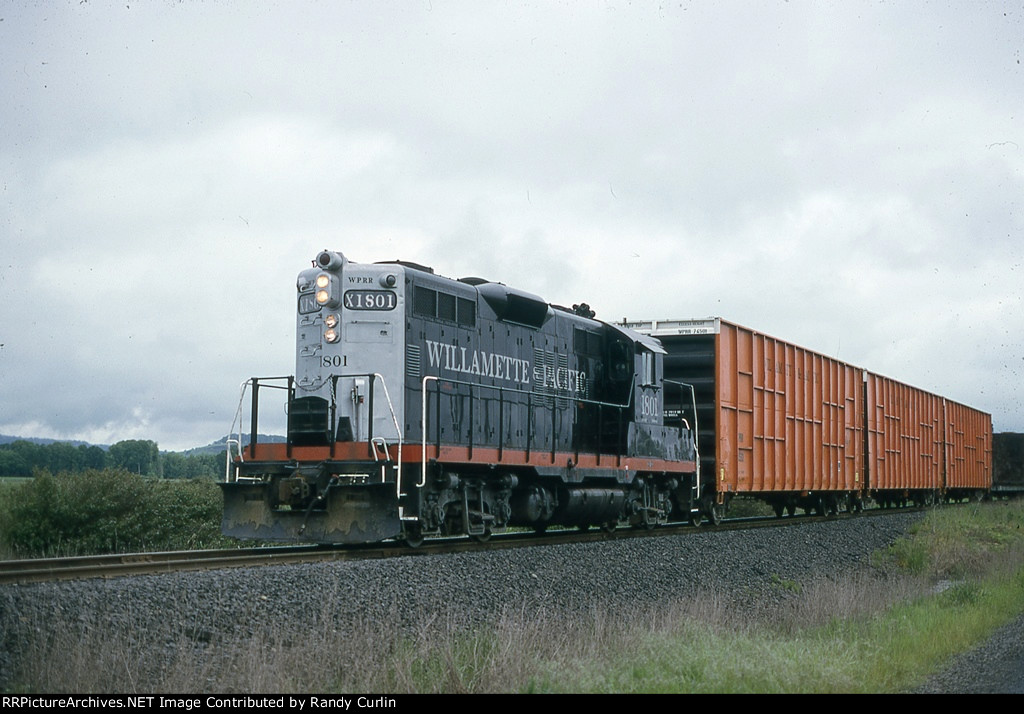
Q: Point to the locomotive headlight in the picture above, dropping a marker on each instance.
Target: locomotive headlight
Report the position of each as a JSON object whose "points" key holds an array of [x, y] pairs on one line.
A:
{"points": [[327, 291], [389, 281], [331, 319], [331, 335]]}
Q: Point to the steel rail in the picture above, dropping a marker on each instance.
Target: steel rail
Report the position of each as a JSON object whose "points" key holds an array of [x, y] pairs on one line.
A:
{"points": [[43, 569], [30, 570]]}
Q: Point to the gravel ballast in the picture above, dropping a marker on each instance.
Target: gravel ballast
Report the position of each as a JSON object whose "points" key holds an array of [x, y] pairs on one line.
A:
{"points": [[749, 568], [996, 667]]}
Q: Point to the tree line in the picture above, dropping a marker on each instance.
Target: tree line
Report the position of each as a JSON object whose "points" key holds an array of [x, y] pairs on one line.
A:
{"points": [[142, 457]]}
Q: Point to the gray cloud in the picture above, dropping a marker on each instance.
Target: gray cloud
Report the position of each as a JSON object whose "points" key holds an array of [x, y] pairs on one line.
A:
{"points": [[843, 175]]}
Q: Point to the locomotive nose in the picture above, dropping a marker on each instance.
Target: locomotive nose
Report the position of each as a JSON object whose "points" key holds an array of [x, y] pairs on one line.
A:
{"points": [[330, 260]]}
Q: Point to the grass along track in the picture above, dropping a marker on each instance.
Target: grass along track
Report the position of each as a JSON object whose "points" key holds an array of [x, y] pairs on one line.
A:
{"points": [[811, 628]]}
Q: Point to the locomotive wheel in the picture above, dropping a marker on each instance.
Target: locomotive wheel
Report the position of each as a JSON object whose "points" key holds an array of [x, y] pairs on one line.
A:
{"points": [[715, 514], [609, 526], [481, 537], [413, 536], [696, 518], [645, 523]]}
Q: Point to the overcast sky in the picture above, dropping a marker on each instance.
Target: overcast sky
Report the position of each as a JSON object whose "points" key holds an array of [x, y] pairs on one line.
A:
{"points": [[848, 176]]}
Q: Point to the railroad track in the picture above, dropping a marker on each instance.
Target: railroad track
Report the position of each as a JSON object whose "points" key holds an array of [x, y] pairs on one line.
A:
{"points": [[31, 570], [105, 566]]}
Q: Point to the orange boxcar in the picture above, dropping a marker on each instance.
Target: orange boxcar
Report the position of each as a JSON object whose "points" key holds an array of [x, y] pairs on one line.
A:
{"points": [[968, 460], [905, 440], [922, 446], [797, 428], [775, 420]]}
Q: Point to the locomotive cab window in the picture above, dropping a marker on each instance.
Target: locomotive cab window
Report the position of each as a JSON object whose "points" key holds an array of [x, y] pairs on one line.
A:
{"points": [[586, 342], [621, 358], [646, 368]]}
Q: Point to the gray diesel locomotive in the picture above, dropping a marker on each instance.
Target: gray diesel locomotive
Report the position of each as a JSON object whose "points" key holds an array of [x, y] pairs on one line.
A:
{"points": [[424, 405]]}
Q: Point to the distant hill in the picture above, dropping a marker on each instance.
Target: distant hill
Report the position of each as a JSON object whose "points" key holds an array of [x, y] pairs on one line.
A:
{"points": [[216, 447], [7, 439]]}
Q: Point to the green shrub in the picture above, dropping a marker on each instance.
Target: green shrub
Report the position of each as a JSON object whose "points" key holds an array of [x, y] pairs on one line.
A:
{"points": [[109, 511]]}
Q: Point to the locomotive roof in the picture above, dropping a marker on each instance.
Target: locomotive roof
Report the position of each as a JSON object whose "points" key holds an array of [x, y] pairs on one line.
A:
{"points": [[651, 343], [407, 264], [522, 307]]}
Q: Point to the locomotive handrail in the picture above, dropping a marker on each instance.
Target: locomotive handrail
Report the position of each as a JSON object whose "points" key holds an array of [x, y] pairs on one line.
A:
{"points": [[695, 430], [238, 420], [227, 455], [373, 377], [258, 382], [530, 394], [423, 417], [398, 430]]}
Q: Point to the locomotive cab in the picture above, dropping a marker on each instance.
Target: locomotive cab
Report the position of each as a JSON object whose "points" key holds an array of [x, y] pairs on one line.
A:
{"points": [[637, 374], [655, 432]]}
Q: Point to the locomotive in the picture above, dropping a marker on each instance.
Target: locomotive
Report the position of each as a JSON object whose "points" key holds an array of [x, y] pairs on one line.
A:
{"points": [[1008, 464], [423, 405]]}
